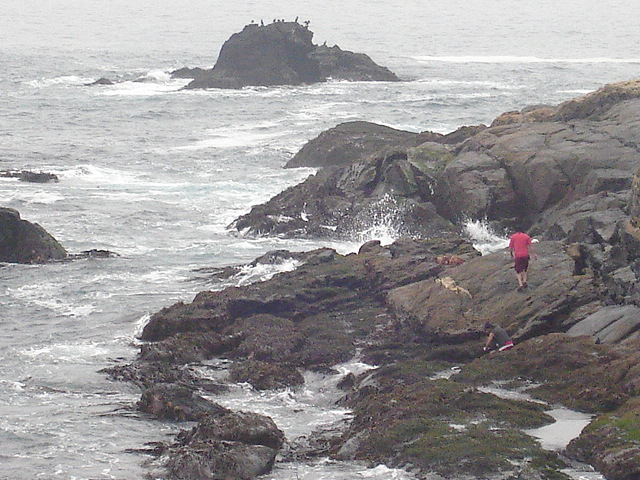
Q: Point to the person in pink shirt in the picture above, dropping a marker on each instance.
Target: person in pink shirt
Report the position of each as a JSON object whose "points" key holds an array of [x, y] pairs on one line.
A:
{"points": [[520, 244]]}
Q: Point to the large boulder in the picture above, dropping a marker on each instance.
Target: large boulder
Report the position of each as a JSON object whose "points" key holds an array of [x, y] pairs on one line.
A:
{"points": [[229, 445], [25, 242], [282, 53], [351, 142]]}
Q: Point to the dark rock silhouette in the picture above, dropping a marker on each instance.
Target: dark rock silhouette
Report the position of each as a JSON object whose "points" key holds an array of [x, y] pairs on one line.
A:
{"points": [[100, 81], [350, 142], [281, 53], [33, 177], [25, 242]]}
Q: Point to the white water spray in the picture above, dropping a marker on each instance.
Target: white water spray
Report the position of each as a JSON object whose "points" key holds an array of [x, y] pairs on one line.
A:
{"points": [[484, 238]]}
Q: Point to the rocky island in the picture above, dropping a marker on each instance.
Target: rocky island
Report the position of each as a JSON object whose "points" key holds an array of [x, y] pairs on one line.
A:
{"points": [[282, 53], [570, 174]]}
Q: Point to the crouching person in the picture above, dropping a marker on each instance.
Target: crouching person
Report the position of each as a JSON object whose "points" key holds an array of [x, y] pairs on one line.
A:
{"points": [[497, 339]]}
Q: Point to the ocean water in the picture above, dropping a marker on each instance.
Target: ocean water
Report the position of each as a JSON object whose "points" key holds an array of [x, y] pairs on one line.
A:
{"points": [[156, 174]]}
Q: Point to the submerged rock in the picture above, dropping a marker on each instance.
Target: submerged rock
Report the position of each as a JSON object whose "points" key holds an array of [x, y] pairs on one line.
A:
{"points": [[281, 53], [33, 177], [100, 81]]}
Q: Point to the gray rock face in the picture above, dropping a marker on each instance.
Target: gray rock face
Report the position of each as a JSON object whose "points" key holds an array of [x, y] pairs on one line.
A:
{"points": [[25, 242], [282, 53], [523, 169], [610, 324], [351, 142]]}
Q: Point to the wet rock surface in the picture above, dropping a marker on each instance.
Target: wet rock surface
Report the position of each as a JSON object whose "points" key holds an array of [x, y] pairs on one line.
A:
{"points": [[416, 308], [24, 242]]}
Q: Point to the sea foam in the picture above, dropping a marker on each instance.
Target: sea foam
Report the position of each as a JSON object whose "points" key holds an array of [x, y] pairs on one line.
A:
{"points": [[495, 59]]}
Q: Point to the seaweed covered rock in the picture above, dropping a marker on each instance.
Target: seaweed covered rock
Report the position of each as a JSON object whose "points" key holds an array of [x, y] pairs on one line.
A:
{"points": [[230, 445], [266, 375], [417, 410], [612, 443], [413, 308], [441, 426], [177, 402]]}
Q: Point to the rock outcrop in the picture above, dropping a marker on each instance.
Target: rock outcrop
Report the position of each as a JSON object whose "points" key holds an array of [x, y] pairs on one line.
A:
{"points": [[394, 187], [281, 53], [353, 142], [25, 242], [416, 308], [564, 172], [224, 444]]}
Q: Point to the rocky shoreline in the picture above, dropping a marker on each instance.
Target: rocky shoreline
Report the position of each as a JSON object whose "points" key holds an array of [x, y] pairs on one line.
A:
{"points": [[569, 174]]}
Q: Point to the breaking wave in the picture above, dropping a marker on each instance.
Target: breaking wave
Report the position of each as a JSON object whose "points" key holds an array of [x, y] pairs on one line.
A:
{"points": [[484, 238]]}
